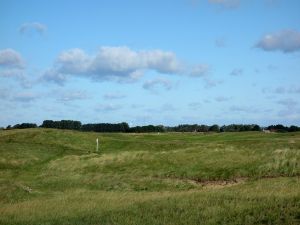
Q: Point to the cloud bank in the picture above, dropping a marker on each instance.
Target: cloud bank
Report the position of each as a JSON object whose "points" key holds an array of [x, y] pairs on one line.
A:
{"points": [[112, 63]]}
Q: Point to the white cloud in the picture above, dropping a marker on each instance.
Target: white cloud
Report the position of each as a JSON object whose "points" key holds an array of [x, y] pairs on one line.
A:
{"points": [[4, 93], [25, 97], [290, 109], [203, 71], [294, 89], [33, 27], [243, 109], [209, 82], [220, 42], [195, 105], [136, 106], [72, 96], [167, 107], [271, 3], [280, 90], [288, 102], [290, 114], [193, 3], [122, 64], [11, 72], [289, 90], [12, 65], [226, 3], [111, 96], [286, 41], [222, 99], [236, 72], [272, 67], [153, 84], [199, 70], [74, 61], [54, 76], [10, 58], [113, 63], [108, 107]]}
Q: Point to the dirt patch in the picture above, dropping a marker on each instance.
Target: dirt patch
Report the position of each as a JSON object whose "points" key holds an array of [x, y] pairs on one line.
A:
{"points": [[208, 183], [217, 183], [222, 183]]}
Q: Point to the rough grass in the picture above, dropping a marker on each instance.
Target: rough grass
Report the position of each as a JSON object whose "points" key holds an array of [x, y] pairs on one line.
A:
{"points": [[52, 176]]}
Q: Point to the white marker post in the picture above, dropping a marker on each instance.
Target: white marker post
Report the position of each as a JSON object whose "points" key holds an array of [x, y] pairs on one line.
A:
{"points": [[97, 144]]}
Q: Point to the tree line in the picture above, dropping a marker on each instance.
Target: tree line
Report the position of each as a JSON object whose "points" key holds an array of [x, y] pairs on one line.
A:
{"points": [[125, 128], [215, 128]]}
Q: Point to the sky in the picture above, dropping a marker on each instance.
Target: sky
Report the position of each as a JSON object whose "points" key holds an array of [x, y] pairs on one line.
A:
{"points": [[150, 62]]}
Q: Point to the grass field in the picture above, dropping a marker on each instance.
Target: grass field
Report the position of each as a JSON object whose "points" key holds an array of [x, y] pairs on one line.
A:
{"points": [[52, 176]]}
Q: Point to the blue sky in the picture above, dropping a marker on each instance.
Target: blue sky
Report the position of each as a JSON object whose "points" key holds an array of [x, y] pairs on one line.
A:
{"points": [[150, 62]]}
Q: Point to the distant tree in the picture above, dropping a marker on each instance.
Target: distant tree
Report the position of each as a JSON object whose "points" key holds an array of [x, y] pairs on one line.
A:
{"points": [[163, 128], [106, 127], [124, 127], [294, 128], [48, 124], [203, 128], [240, 127], [278, 128], [223, 128], [256, 128], [70, 124], [63, 124], [188, 128], [24, 126], [214, 128], [147, 129]]}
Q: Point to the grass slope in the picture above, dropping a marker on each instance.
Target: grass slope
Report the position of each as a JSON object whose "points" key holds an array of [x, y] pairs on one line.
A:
{"points": [[52, 176]]}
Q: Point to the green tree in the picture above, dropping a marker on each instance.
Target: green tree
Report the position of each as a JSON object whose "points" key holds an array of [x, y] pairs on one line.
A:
{"points": [[214, 128]]}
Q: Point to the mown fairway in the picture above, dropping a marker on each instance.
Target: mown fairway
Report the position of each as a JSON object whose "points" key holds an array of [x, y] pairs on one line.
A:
{"points": [[55, 177]]}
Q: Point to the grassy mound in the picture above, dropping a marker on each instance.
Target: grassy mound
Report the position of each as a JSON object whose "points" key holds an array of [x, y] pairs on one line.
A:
{"points": [[53, 176]]}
